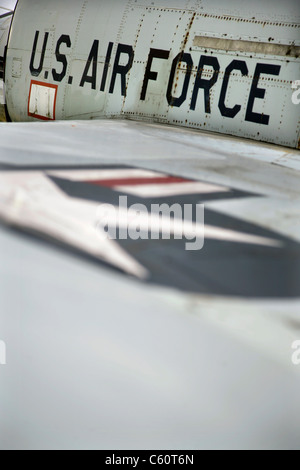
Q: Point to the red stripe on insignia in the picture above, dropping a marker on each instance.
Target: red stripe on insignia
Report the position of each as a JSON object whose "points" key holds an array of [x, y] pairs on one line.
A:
{"points": [[138, 181]]}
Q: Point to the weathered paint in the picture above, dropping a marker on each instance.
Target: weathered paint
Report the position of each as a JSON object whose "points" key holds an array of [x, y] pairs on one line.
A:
{"points": [[197, 64]]}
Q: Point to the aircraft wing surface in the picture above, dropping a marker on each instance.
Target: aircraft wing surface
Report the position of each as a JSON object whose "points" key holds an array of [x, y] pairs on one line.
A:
{"points": [[144, 343], [6, 12]]}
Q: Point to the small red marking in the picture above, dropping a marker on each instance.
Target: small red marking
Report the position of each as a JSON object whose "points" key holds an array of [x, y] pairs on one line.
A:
{"points": [[138, 181], [46, 85]]}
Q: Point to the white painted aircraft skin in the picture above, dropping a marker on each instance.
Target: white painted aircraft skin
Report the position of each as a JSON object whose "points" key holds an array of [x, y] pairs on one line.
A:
{"points": [[6, 7], [100, 360]]}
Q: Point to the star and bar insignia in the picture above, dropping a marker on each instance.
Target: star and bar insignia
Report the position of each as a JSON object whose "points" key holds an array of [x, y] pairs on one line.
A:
{"points": [[237, 258]]}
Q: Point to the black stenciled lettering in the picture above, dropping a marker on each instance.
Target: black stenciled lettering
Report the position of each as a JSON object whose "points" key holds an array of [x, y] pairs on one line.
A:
{"points": [[235, 65], [181, 57], [36, 71], [1, 68], [106, 66], [91, 62], [256, 92], [64, 39], [121, 70], [149, 74], [206, 85]]}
